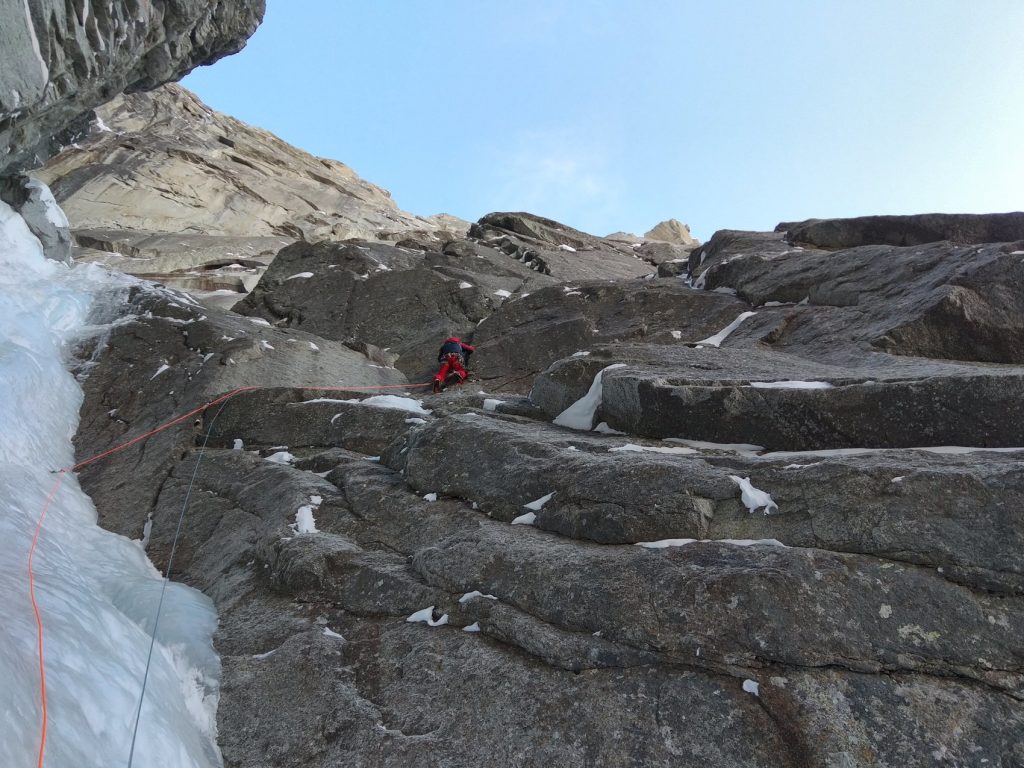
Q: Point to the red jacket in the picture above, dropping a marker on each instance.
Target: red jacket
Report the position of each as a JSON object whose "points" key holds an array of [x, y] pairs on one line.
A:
{"points": [[454, 345]]}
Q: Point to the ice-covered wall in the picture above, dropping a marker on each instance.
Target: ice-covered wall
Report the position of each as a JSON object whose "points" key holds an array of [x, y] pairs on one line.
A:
{"points": [[96, 590]]}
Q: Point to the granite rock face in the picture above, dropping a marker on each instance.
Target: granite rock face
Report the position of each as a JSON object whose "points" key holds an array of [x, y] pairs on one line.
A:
{"points": [[784, 544], [163, 187], [959, 228], [525, 335], [402, 299], [62, 59], [513, 286]]}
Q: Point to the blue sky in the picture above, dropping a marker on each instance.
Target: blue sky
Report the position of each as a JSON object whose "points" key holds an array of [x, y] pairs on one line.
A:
{"points": [[614, 115]]}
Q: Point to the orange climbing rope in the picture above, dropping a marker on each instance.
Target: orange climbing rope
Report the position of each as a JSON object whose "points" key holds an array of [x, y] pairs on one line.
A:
{"points": [[117, 448]]}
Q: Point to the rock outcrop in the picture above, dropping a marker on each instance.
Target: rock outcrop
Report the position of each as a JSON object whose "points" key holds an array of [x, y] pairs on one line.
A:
{"points": [[764, 554], [672, 231], [554, 248], [164, 187], [63, 58], [516, 276], [962, 229]]}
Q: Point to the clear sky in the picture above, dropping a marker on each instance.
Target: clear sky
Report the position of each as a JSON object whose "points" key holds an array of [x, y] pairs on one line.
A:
{"points": [[616, 114]]}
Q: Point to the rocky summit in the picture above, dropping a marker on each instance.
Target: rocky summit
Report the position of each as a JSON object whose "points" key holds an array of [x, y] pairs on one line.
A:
{"points": [[767, 512], [752, 502]]}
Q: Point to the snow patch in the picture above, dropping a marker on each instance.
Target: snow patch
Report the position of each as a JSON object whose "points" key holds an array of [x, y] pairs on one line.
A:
{"points": [[298, 276], [304, 522], [397, 402], [754, 498], [665, 543], [633, 448], [281, 457], [538, 504], [475, 594], [791, 385], [580, 415], [722, 335], [426, 616], [742, 449], [528, 519]]}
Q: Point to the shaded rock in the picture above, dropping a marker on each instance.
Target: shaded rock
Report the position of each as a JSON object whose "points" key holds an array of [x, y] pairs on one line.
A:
{"points": [[587, 637], [60, 59], [728, 245], [176, 257], [165, 356], [658, 253], [355, 291], [526, 335], [737, 603], [710, 394], [673, 268], [918, 229], [955, 512], [556, 249], [936, 301], [309, 419]]}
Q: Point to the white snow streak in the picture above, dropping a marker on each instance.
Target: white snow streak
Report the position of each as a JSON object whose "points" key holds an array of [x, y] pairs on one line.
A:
{"points": [[580, 415], [426, 616], [718, 338], [754, 498], [791, 385]]}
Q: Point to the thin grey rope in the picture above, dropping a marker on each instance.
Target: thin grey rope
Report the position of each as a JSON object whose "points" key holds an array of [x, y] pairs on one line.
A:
{"points": [[167, 578]]}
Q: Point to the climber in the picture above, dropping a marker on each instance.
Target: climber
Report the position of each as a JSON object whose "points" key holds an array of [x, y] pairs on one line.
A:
{"points": [[452, 356]]}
